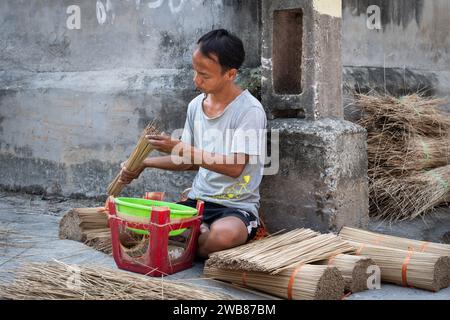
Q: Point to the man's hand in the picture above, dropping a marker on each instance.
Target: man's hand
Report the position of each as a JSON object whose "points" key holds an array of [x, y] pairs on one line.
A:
{"points": [[126, 176], [162, 142]]}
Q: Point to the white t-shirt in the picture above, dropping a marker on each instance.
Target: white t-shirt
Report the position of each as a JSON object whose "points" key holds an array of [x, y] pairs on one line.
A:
{"points": [[239, 129]]}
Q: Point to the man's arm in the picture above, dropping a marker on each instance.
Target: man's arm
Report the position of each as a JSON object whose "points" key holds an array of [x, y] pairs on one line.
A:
{"points": [[165, 163], [231, 165]]}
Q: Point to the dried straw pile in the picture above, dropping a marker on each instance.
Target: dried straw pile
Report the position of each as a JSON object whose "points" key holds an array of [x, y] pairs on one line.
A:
{"points": [[354, 270], [140, 152], [306, 282], [405, 137], [408, 268], [50, 281], [277, 253], [411, 196]]}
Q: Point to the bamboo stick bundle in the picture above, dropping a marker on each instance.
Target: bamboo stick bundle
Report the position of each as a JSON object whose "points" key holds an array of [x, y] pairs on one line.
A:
{"points": [[140, 152], [56, 280], [409, 197], [234, 257], [373, 238], [99, 239], [354, 270], [306, 282], [408, 268], [75, 223], [279, 258]]}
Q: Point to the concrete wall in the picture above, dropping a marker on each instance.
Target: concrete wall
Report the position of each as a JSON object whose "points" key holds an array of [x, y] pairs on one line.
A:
{"points": [[411, 51], [73, 102]]}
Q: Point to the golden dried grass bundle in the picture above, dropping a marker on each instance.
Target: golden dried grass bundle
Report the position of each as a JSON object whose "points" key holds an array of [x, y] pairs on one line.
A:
{"points": [[273, 256], [354, 270], [373, 238], [408, 268], [306, 282], [411, 114], [409, 197], [405, 136], [398, 155], [140, 152], [57, 280]]}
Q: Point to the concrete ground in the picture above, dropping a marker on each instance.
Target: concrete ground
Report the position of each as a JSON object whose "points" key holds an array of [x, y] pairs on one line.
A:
{"points": [[34, 221]]}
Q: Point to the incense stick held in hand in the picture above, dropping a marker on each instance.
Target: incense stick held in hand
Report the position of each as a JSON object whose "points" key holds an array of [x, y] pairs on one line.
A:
{"points": [[140, 152]]}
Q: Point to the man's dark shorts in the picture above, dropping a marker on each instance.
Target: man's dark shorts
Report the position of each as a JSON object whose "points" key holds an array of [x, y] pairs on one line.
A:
{"points": [[214, 211]]}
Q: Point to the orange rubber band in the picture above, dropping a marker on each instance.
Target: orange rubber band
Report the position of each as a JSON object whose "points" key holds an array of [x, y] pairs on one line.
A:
{"points": [[244, 278], [405, 268], [347, 295], [358, 252], [292, 280], [377, 240], [331, 260], [424, 246]]}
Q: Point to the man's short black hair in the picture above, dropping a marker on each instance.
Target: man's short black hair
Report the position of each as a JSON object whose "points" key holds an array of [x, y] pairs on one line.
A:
{"points": [[227, 47]]}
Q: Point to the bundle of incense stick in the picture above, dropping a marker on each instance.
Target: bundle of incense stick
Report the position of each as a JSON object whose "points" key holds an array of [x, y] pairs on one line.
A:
{"points": [[368, 237], [408, 268], [140, 152], [76, 223], [354, 269], [57, 280], [280, 252], [306, 282], [99, 239]]}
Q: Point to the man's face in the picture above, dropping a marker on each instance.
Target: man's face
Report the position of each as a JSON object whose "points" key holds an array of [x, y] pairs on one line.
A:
{"points": [[208, 74]]}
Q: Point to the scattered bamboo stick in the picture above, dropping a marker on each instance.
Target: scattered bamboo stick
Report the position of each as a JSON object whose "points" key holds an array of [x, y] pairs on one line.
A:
{"points": [[274, 255], [408, 268], [140, 152], [306, 282], [354, 270], [56, 280], [373, 238]]}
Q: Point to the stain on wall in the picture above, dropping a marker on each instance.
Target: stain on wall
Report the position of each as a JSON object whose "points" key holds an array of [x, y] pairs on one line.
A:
{"points": [[398, 12]]}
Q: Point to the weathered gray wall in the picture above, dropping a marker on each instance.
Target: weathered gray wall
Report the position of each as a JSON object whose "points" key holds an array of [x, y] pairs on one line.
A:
{"points": [[410, 53], [73, 102]]}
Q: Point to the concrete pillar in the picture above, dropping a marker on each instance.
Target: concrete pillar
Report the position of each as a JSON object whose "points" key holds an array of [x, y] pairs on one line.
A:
{"points": [[301, 58], [322, 179]]}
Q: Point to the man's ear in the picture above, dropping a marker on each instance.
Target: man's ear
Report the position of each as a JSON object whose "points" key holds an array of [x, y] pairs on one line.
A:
{"points": [[232, 74]]}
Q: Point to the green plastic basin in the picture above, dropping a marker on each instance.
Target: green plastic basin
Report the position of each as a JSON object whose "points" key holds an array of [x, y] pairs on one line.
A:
{"points": [[138, 210]]}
